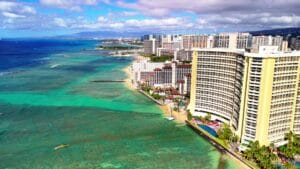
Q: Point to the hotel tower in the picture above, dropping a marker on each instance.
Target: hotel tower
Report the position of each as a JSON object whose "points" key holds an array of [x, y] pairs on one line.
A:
{"points": [[258, 94]]}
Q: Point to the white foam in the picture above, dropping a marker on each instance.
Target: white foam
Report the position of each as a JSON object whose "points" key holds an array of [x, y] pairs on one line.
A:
{"points": [[54, 66]]}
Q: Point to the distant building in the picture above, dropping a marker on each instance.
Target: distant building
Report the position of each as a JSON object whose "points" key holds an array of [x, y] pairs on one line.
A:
{"points": [[258, 41], [183, 55], [168, 48], [150, 46], [295, 43], [151, 36], [195, 41], [232, 40]]}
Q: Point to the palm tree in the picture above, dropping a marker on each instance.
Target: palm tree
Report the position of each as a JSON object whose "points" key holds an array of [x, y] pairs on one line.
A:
{"points": [[272, 147], [290, 137]]}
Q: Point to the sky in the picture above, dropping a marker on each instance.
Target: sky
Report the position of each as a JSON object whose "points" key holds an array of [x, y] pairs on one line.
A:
{"points": [[38, 18]]}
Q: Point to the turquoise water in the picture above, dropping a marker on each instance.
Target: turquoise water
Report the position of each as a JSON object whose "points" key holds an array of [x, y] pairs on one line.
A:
{"points": [[106, 124]]}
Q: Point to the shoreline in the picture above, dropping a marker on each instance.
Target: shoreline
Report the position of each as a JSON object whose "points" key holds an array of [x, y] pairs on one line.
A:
{"points": [[239, 162], [179, 117]]}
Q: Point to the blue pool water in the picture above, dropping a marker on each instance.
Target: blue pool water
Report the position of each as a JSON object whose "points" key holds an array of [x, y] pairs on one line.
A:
{"points": [[208, 129]]}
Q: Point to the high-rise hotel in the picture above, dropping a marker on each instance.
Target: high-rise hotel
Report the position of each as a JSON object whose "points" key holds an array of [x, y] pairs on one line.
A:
{"points": [[258, 94]]}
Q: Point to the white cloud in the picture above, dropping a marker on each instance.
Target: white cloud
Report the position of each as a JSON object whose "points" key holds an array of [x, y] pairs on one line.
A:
{"points": [[7, 6], [28, 9], [60, 22], [102, 19], [73, 5], [12, 15], [16, 8], [103, 23]]}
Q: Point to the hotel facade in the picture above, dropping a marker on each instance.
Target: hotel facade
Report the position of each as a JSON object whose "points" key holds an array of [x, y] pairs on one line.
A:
{"points": [[258, 94]]}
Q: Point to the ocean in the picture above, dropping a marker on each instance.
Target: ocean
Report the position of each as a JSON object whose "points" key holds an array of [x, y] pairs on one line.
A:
{"points": [[48, 98]]}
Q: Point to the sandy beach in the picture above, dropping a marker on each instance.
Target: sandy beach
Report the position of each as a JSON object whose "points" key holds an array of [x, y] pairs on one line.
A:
{"points": [[179, 117], [128, 80]]}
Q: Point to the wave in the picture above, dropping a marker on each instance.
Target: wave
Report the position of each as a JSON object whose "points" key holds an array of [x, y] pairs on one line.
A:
{"points": [[9, 72], [5, 73], [54, 66]]}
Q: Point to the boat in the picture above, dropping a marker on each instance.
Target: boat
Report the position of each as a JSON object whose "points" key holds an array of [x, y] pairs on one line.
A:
{"points": [[170, 118], [61, 146]]}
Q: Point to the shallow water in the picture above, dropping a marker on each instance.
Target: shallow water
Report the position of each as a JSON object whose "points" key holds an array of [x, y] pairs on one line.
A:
{"points": [[106, 125]]}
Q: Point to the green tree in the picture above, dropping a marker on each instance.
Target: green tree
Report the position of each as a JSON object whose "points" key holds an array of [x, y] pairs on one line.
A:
{"points": [[263, 156], [235, 138], [225, 133], [189, 115], [207, 117]]}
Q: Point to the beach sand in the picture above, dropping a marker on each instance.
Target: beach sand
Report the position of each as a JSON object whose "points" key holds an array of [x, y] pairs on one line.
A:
{"points": [[128, 80], [179, 117]]}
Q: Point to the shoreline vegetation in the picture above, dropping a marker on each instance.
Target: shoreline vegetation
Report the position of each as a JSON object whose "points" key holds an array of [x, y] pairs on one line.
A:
{"points": [[179, 117]]}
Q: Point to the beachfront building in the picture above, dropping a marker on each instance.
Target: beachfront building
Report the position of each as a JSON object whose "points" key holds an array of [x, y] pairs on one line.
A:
{"points": [[256, 93], [143, 71], [270, 103], [179, 73], [217, 76], [163, 75]]}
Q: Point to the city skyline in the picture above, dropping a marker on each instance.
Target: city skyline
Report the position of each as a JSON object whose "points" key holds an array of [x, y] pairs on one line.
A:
{"points": [[38, 18]]}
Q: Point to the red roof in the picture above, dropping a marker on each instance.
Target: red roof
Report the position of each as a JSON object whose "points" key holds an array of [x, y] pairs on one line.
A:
{"points": [[184, 66], [167, 67], [157, 69]]}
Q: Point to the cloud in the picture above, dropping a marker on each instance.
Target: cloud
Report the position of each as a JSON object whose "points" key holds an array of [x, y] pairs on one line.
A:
{"points": [[103, 23], [165, 7], [102, 19], [249, 21], [123, 14], [239, 14], [153, 15], [60, 22], [16, 9], [12, 15], [28, 9], [73, 5], [7, 6]]}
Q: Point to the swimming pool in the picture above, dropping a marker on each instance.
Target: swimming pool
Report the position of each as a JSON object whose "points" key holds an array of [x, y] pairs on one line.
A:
{"points": [[208, 129]]}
